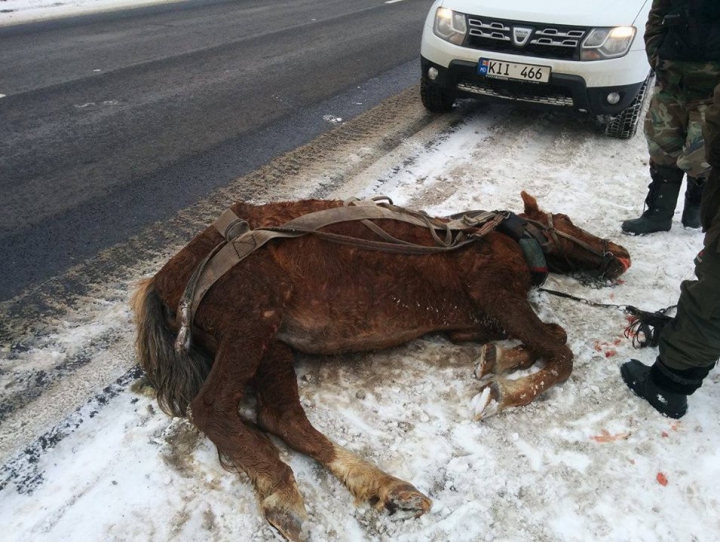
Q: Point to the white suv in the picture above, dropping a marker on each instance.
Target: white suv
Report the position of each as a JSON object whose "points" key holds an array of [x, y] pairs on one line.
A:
{"points": [[573, 54]]}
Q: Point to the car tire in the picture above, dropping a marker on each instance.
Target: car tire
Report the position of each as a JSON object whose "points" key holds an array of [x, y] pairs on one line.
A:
{"points": [[625, 125], [435, 99]]}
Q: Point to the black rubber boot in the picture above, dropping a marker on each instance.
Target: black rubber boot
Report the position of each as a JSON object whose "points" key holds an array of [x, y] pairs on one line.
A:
{"points": [[639, 379], [661, 200], [693, 195]]}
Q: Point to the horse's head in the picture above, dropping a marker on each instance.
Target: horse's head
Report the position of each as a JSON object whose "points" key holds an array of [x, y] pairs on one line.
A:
{"points": [[569, 248]]}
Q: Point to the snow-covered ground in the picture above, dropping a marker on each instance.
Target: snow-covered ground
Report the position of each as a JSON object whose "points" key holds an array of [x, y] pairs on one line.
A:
{"points": [[24, 11], [588, 461]]}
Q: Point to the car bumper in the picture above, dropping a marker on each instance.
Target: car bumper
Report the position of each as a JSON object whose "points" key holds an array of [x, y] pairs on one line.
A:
{"points": [[570, 91]]}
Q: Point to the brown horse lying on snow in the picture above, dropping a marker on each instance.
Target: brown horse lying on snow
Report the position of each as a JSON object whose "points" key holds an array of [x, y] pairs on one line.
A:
{"points": [[318, 297]]}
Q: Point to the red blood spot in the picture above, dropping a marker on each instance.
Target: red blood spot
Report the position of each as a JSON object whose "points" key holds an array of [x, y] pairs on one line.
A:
{"points": [[630, 318], [620, 281], [664, 434], [616, 342], [662, 479], [610, 353]]}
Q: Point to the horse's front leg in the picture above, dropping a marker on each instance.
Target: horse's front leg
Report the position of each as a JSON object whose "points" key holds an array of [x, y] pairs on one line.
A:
{"points": [[215, 412], [496, 360], [540, 340], [280, 413]]}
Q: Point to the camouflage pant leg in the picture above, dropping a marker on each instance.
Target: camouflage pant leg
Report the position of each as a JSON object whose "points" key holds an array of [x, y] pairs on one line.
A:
{"points": [[692, 339], [673, 128]]}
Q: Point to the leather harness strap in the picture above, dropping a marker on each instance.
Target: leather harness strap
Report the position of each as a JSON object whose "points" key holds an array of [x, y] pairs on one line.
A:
{"points": [[241, 241]]}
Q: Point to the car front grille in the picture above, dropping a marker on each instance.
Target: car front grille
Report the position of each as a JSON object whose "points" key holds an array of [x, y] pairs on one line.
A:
{"points": [[509, 37], [517, 91]]}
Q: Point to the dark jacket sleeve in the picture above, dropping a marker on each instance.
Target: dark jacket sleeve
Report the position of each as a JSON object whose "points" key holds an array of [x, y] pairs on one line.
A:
{"points": [[710, 203], [711, 131], [654, 29]]}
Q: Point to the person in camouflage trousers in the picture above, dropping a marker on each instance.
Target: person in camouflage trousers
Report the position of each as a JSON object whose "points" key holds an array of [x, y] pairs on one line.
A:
{"points": [[682, 41], [690, 343]]}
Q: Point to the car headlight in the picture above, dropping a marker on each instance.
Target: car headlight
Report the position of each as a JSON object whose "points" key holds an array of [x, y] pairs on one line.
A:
{"points": [[450, 25], [602, 43]]}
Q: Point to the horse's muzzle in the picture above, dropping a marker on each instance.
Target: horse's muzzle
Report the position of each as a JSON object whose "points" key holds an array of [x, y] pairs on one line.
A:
{"points": [[625, 262], [615, 266]]}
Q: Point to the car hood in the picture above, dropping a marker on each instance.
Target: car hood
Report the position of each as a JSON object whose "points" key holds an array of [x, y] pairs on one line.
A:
{"points": [[569, 12]]}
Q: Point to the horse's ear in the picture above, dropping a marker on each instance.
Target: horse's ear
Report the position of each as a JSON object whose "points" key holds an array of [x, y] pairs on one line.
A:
{"points": [[531, 206]]}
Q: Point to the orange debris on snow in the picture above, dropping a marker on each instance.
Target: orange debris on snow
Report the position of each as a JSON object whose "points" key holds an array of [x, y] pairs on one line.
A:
{"points": [[605, 436]]}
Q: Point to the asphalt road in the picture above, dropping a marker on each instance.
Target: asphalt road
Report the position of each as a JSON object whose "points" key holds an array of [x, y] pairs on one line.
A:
{"points": [[112, 122]]}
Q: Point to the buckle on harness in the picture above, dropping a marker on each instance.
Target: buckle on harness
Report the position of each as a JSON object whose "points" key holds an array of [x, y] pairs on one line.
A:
{"points": [[231, 226], [236, 229]]}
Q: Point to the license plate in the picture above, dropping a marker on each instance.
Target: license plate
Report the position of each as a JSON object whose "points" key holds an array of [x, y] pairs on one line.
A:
{"points": [[511, 70]]}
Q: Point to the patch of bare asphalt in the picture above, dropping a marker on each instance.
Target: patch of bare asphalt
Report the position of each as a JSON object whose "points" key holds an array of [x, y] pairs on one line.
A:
{"points": [[45, 379]]}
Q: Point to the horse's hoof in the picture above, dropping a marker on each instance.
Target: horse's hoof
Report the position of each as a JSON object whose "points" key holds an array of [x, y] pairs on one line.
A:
{"points": [[487, 403], [405, 497], [486, 364], [288, 523]]}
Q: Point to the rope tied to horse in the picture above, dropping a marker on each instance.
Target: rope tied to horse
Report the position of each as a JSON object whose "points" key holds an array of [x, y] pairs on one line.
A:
{"points": [[645, 328]]}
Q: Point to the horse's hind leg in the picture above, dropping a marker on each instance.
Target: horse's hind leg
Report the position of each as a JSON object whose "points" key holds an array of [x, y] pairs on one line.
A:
{"points": [[494, 359], [280, 413], [215, 413]]}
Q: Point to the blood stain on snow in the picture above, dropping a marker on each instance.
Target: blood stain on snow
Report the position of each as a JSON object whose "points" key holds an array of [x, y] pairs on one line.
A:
{"points": [[662, 479]]}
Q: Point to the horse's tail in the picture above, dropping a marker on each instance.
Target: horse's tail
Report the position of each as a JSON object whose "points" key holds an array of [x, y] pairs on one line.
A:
{"points": [[177, 377]]}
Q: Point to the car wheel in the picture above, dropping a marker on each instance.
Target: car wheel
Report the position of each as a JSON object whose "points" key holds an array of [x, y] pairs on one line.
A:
{"points": [[624, 125], [435, 99]]}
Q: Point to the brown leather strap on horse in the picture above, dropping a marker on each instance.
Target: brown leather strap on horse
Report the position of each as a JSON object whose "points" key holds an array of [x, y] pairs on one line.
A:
{"points": [[605, 255], [241, 241]]}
